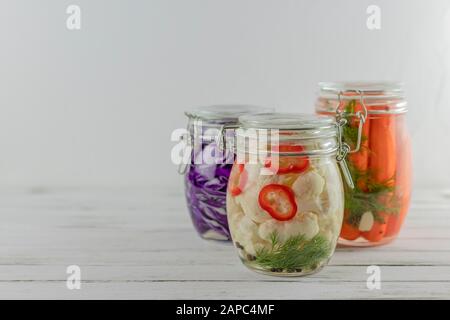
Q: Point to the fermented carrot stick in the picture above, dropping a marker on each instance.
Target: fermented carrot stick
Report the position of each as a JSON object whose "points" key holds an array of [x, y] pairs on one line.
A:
{"points": [[403, 179], [382, 145], [382, 166], [378, 230], [349, 232], [360, 159]]}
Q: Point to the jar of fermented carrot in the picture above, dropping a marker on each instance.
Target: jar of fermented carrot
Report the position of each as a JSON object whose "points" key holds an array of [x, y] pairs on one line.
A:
{"points": [[379, 158]]}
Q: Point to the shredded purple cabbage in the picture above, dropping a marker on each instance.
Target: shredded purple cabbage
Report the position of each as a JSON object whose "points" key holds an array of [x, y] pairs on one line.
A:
{"points": [[206, 190]]}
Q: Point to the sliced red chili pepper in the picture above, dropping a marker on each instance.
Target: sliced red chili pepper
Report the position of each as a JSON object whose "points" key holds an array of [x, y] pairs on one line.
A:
{"points": [[279, 201], [238, 180], [289, 164]]}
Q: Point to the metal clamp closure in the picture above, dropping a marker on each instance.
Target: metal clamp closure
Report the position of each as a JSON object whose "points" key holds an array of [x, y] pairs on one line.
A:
{"points": [[222, 137], [342, 152], [362, 116]]}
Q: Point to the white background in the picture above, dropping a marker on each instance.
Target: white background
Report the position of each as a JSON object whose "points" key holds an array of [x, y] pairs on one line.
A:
{"points": [[97, 106]]}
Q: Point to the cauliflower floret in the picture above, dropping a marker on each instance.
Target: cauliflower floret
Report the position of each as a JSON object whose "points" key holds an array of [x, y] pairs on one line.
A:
{"points": [[307, 189], [257, 178], [234, 217], [309, 205], [253, 247], [330, 218], [332, 197], [329, 222], [245, 232], [233, 208], [284, 229], [309, 224], [253, 172], [308, 185], [247, 226], [304, 223], [248, 201]]}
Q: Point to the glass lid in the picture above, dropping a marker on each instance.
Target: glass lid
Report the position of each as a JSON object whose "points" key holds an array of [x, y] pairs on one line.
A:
{"points": [[288, 121], [377, 97], [225, 112], [315, 133], [363, 86]]}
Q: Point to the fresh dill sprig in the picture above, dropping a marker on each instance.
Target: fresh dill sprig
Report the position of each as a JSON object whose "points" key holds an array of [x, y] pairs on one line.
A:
{"points": [[357, 203], [295, 254], [377, 197]]}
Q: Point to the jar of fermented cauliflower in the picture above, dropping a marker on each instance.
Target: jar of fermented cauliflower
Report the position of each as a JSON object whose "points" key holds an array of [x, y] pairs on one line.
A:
{"points": [[285, 200]]}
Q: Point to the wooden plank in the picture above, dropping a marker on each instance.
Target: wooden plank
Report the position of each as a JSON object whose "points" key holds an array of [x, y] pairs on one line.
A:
{"points": [[204, 273], [224, 290], [139, 243]]}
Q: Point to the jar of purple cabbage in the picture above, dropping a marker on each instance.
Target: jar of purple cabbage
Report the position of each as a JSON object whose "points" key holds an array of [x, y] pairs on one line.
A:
{"points": [[208, 169]]}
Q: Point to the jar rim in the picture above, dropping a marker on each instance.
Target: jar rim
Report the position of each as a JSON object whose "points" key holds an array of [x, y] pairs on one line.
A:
{"points": [[224, 113], [365, 87], [379, 97], [287, 121]]}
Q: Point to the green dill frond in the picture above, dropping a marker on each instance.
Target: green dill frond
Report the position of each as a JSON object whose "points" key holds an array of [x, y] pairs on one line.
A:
{"points": [[296, 253], [377, 198]]}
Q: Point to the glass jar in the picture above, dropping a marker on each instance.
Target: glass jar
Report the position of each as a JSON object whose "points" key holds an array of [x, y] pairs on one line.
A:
{"points": [[285, 197], [208, 168], [379, 159]]}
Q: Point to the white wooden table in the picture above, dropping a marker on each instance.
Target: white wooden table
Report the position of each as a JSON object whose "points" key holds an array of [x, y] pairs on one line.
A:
{"points": [[139, 243]]}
